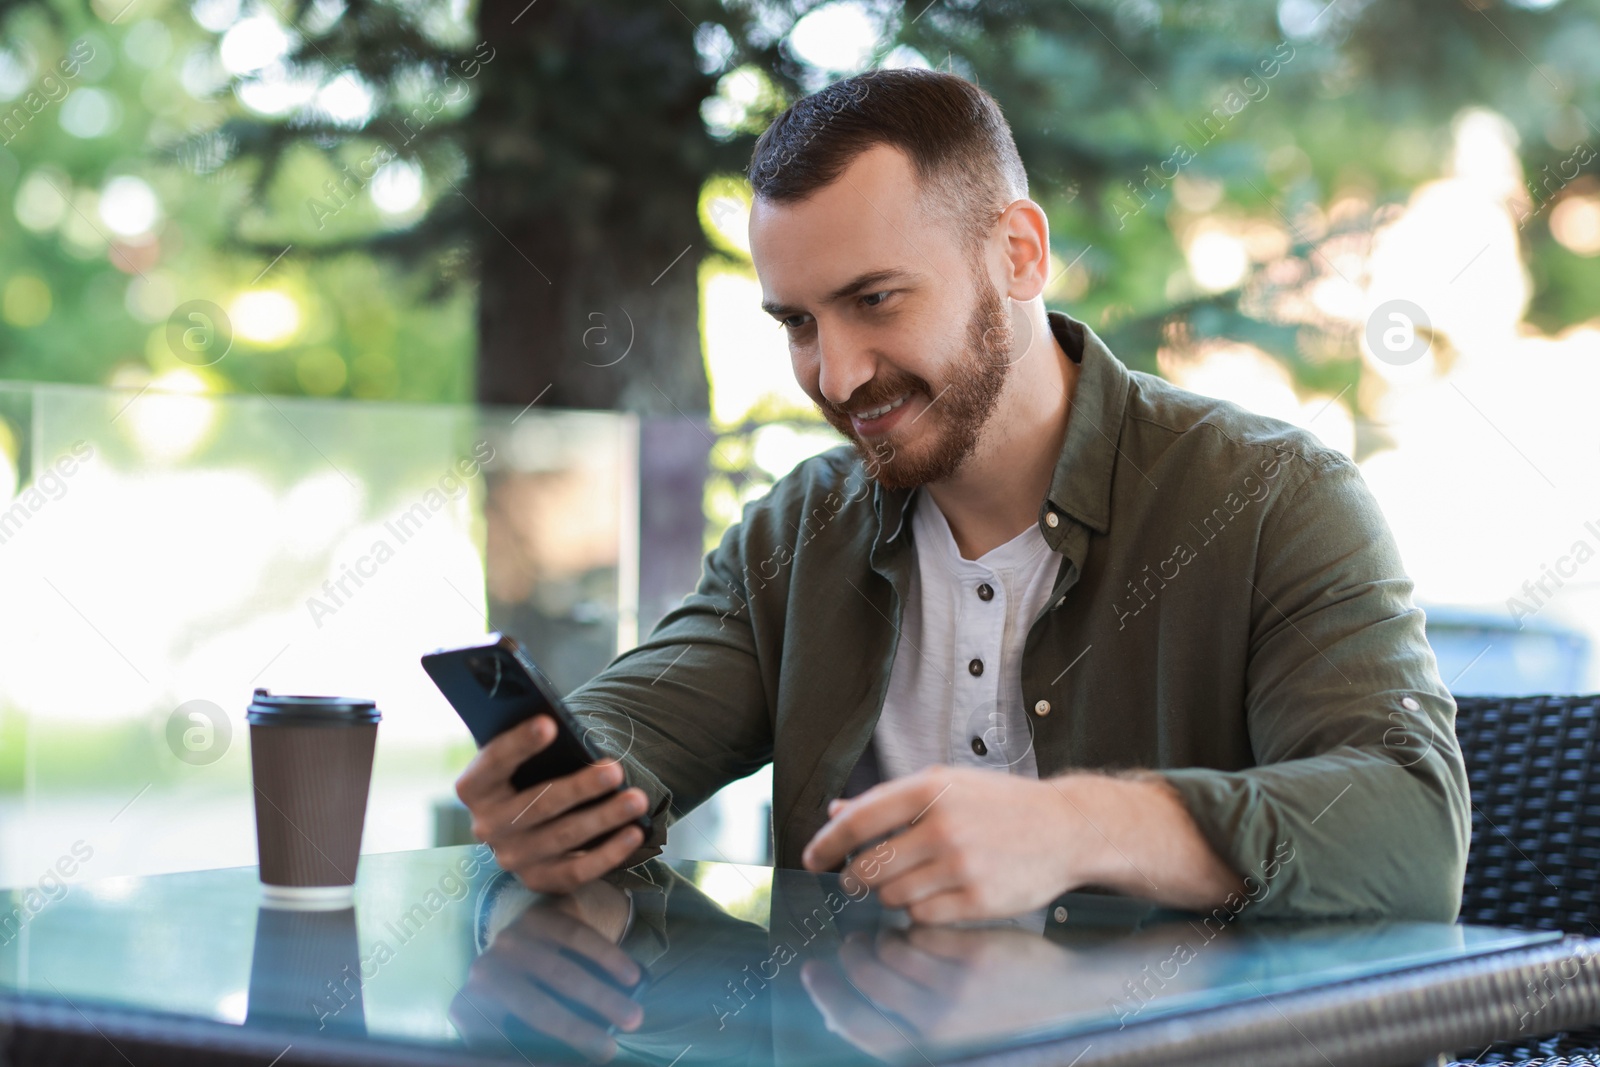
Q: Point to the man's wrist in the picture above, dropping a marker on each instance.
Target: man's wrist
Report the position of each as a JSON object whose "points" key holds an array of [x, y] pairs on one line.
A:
{"points": [[1104, 813], [1088, 855], [1131, 833]]}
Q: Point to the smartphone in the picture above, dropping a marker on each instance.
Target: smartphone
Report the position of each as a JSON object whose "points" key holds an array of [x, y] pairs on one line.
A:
{"points": [[494, 686]]}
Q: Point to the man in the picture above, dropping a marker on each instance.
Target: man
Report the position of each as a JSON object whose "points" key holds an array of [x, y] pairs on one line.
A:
{"points": [[1045, 624]]}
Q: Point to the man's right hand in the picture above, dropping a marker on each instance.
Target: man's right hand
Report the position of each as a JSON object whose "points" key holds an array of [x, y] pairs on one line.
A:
{"points": [[535, 834]]}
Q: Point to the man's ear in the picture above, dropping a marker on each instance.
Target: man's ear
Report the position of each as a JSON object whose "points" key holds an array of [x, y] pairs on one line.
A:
{"points": [[1025, 232]]}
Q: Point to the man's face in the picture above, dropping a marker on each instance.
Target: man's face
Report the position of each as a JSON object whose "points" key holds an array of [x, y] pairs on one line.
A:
{"points": [[900, 339]]}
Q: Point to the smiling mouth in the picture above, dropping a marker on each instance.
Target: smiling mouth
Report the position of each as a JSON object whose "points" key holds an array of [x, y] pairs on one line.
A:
{"points": [[880, 412]]}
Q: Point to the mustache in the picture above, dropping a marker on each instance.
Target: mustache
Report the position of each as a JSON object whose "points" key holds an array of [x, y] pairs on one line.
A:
{"points": [[874, 393]]}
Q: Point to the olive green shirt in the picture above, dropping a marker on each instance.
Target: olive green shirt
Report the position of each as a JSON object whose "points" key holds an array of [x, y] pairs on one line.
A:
{"points": [[1230, 611]]}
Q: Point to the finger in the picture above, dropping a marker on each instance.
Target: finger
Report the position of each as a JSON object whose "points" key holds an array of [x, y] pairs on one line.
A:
{"points": [[560, 973], [899, 951], [549, 874], [907, 888], [848, 1014], [546, 801], [879, 811], [946, 943], [540, 1010], [470, 1021], [608, 856], [954, 905], [488, 774], [886, 987], [573, 829], [891, 859], [581, 938]]}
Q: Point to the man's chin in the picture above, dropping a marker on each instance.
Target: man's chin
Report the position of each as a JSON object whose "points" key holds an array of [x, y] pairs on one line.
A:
{"points": [[895, 467]]}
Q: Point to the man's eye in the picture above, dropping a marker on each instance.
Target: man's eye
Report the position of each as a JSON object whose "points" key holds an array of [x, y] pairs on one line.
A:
{"points": [[793, 322], [874, 299]]}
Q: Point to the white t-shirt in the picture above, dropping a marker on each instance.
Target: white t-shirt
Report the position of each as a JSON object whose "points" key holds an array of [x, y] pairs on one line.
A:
{"points": [[955, 691]]}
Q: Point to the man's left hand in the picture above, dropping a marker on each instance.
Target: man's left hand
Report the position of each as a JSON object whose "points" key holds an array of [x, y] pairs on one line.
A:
{"points": [[967, 843]]}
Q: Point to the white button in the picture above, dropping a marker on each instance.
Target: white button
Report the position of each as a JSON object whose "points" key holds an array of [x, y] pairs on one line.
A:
{"points": [[1042, 708], [1410, 703], [1052, 520], [1060, 914]]}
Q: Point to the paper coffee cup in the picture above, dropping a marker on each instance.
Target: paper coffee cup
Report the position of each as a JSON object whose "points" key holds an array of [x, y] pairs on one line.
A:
{"points": [[311, 764]]}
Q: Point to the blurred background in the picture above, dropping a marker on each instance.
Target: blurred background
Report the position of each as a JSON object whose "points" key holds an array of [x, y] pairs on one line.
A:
{"points": [[335, 331]]}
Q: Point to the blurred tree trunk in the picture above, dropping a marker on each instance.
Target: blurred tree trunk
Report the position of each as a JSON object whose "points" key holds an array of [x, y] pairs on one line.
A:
{"points": [[582, 327], [587, 161]]}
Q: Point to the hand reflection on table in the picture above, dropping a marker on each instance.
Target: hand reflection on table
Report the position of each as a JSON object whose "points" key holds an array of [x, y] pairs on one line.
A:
{"points": [[896, 993], [556, 971]]}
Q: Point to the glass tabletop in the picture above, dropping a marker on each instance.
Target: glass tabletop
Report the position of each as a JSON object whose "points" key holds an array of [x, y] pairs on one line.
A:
{"points": [[667, 963]]}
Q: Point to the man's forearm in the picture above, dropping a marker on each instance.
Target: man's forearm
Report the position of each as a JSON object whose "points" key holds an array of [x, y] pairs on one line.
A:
{"points": [[1139, 839]]}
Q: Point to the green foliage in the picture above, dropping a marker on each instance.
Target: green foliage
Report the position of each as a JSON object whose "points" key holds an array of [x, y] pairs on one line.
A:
{"points": [[1357, 103], [112, 755], [80, 302], [593, 111]]}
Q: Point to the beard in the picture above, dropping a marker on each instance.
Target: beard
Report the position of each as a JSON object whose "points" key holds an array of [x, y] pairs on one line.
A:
{"points": [[958, 409]]}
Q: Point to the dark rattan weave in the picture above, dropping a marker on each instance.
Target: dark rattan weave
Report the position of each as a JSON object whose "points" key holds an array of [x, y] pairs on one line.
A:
{"points": [[1533, 765], [1536, 812]]}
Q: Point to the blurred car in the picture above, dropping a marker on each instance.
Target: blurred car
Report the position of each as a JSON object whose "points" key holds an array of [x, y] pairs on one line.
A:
{"points": [[1481, 651]]}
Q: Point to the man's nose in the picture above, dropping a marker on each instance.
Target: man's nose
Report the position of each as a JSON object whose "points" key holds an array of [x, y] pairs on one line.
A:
{"points": [[845, 364]]}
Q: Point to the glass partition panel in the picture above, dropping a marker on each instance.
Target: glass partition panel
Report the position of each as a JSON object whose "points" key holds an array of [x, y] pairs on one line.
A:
{"points": [[162, 555]]}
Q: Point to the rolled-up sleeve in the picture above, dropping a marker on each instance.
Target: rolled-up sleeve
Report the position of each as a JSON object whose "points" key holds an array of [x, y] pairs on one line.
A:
{"points": [[1359, 802], [686, 710]]}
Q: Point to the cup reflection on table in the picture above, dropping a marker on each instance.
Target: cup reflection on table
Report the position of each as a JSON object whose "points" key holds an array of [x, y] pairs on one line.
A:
{"points": [[305, 972], [550, 982]]}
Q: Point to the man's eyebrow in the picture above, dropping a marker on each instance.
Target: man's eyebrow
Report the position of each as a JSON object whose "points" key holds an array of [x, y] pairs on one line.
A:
{"points": [[855, 285]]}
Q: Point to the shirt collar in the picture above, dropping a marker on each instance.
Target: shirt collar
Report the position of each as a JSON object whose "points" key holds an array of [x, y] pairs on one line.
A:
{"points": [[1081, 485]]}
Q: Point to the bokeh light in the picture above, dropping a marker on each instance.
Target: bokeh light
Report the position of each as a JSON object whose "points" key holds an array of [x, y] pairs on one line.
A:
{"points": [[214, 15], [15, 74], [25, 301], [321, 371], [128, 206], [1575, 222], [396, 188], [90, 112], [266, 316], [346, 99], [836, 37], [170, 419], [274, 91], [1217, 260], [252, 43], [40, 204], [148, 43]]}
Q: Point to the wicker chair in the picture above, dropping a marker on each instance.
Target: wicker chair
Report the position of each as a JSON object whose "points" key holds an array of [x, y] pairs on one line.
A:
{"points": [[1533, 764]]}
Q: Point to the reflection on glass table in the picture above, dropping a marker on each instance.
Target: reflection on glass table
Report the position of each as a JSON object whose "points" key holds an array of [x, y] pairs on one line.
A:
{"points": [[444, 958]]}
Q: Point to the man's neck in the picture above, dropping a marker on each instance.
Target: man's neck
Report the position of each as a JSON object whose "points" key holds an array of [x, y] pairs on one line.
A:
{"points": [[996, 494]]}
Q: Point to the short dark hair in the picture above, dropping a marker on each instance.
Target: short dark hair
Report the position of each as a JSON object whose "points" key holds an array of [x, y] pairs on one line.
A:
{"points": [[959, 144]]}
